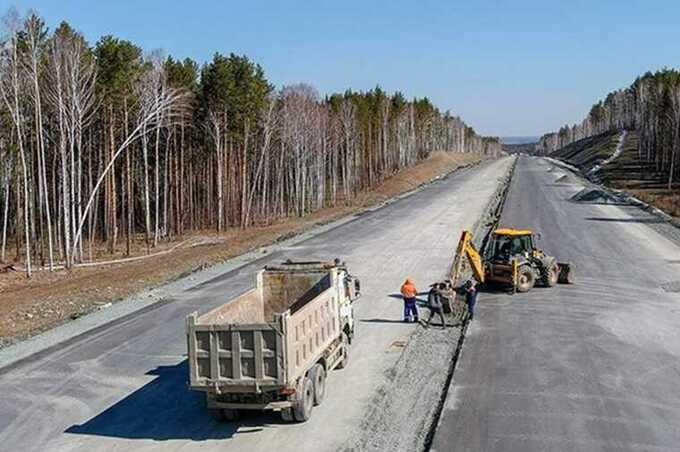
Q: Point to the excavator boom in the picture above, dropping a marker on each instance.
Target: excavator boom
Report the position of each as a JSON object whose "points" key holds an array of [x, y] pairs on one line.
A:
{"points": [[467, 249]]}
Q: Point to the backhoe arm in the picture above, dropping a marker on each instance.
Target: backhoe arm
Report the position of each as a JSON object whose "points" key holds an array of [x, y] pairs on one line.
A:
{"points": [[467, 249]]}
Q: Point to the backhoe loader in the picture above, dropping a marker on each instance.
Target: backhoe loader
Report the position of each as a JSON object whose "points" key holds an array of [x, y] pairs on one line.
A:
{"points": [[512, 259]]}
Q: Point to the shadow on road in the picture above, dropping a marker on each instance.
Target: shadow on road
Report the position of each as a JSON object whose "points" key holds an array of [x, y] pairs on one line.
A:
{"points": [[165, 409], [382, 321], [419, 301], [626, 220]]}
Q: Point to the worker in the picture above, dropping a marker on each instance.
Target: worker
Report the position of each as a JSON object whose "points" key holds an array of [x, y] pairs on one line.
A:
{"points": [[409, 292], [470, 292], [435, 302]]}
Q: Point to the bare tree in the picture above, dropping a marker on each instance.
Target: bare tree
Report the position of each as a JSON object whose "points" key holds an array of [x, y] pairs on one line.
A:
{"points": [[11, 88], [154, 103]]}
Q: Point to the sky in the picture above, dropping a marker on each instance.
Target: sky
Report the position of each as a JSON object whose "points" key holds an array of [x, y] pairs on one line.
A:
{"points": [[508, 68]]}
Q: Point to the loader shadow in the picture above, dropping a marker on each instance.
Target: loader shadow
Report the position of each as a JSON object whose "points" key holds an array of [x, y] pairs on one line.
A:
{"points": [[165, 409]]}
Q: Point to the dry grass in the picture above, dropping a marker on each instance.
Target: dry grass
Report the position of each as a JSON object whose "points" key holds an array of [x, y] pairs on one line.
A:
{"points": [[665, 200], [31, 305]]}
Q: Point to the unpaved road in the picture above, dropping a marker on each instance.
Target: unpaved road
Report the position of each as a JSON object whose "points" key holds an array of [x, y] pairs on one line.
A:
{"points": [[124, 386], [587, 367]]}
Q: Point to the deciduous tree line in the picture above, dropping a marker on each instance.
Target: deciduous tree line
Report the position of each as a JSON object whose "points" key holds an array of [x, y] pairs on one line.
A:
{"points": [[650, 106], [107, 144]]}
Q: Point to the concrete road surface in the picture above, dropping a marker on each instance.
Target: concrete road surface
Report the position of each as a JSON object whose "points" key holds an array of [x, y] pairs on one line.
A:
{"points": [[589, 367], [124, 386]]}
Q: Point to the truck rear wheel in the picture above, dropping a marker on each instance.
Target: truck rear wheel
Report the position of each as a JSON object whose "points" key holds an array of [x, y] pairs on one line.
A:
{"points": [[318, 376], [302, 410], [217, 414], [525, 279], [231, 415]]}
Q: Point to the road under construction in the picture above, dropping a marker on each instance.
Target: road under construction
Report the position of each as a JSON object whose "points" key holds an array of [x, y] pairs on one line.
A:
{"points": [[586, 366]]}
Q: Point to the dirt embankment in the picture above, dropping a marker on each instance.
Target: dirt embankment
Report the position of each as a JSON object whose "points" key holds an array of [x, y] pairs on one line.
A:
{"points": [[28, 306], [597, 157]]}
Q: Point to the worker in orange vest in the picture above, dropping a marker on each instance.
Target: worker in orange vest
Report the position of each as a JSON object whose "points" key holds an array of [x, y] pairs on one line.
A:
{"points": [[409, 292]]}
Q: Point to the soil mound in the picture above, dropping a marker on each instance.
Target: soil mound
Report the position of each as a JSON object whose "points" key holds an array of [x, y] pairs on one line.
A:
{"points": [[596, 195], [567, 179]]}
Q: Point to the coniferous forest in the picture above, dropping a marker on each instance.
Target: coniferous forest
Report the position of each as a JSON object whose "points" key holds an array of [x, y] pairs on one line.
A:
{"points": [[107, 143]]}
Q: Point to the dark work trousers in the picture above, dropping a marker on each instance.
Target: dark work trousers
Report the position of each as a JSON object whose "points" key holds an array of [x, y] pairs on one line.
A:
{"points": [[471, 300], [410, 309], [437, 311]]}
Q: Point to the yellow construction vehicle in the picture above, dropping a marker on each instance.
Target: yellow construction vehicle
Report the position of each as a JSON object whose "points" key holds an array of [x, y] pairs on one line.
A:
{"points": [[511, 259]]}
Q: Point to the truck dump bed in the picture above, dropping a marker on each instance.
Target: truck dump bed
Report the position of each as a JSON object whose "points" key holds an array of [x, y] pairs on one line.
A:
{"points": [[266, 337]]}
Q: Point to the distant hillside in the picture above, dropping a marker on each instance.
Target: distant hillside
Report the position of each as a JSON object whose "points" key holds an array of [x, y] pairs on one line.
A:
{"points": [[597, 157], [519, 140], [524, 148]]}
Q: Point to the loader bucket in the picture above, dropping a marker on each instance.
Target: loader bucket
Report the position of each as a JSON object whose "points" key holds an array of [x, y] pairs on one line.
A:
{"points": [[564, 275]]}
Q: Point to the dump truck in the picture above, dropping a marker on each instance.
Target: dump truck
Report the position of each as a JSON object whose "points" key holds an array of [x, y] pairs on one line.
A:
{"points": [[272, 347]]}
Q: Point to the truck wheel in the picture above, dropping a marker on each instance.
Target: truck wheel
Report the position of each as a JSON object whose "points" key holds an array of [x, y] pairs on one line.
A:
{"points": [[231, 415], [287, 415], [318, 376], [525, 279], [216, 413], [302, 410], [551, 277], [345, 352]]}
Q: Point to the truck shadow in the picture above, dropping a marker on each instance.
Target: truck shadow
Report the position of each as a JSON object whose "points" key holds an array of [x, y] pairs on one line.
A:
{"points": [[165, 409]]}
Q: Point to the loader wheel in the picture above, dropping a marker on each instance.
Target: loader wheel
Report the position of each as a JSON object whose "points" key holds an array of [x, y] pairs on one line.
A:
{"points": [[318, 376], [525, 279], [302, 410], [345, 352], [551, 277]]}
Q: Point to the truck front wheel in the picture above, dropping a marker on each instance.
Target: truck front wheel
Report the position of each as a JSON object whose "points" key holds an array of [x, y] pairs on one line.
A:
{"points": [[345, 352], [302, 410], [318, 375]]}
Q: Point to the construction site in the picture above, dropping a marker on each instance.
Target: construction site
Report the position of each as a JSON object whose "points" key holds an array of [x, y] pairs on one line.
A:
{"points": [[198, 254], [129, 381]]}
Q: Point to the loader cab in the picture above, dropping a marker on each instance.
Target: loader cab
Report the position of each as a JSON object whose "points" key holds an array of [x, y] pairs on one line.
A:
{"points": [[507, 243]]}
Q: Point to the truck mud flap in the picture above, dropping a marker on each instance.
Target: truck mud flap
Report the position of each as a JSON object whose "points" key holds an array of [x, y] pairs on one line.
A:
{"points": [[565, 274]]}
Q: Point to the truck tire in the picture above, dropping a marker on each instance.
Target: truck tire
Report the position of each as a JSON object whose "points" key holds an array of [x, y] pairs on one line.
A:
{"points": [[231, 415], [345, 352], [217, 414], [318, 376], [287, 415], [526, 278], [224, 414], [302, 410], [552, 275]]}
